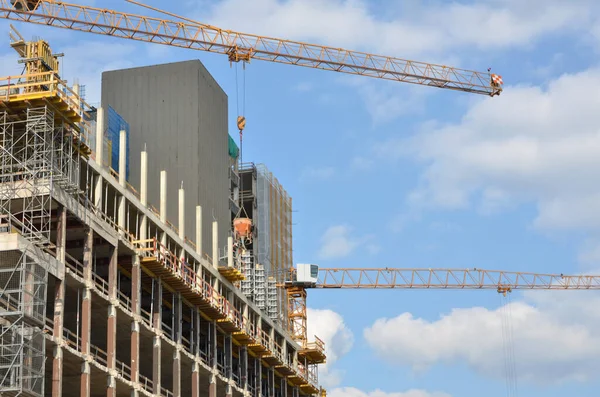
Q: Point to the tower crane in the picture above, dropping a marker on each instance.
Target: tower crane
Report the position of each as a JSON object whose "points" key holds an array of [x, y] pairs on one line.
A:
{"points": [[185, 33], [307, 276]]}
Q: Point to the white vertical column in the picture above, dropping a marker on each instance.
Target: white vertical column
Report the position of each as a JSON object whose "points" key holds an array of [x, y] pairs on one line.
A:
{"points": [[99, 135], [99, 156], [163, 196], [144, 177], [144, 192], [181, 213], [230, 251], [199, 230], [122, 158], [215, 247]]}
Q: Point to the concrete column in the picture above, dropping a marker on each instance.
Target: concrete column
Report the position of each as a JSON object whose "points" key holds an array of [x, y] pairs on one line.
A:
{"points": [[228, 356], [283, 387], [135, 325], [230, 251], [212, 386], [57, 361], [86, 310], [199, 230], [84, 390], [136, 285], [181, 225], [244, 367], [163, 196], [144, 177], [99, 135], [156, 342], [121, 214], [177, 326], [111, 386], [215, 247], [123, 158], [177, 373], [271, 382], [59, 304], [195, 379], [195, 334], [258, 374], [61, 234], [144, 193], [212, 345], [111, 330], [86, 320]]}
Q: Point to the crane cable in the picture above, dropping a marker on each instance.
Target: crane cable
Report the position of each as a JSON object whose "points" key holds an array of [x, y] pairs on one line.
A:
{"points": [[241, 123], [508, 346]]}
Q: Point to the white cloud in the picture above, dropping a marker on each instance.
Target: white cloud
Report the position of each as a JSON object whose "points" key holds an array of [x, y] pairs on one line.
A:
{"points": [[317, 173], [338, 242], [433, 27], [556, 338], [353, 392], [531, 144], [329, 326]]}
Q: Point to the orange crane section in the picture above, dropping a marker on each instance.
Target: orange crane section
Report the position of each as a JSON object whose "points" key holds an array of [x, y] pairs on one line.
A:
{"points": [[245, 47], [311, 276]]}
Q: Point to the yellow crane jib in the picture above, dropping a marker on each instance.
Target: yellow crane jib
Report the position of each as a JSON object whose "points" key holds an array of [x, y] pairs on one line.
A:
{"points": [[184, 33]]}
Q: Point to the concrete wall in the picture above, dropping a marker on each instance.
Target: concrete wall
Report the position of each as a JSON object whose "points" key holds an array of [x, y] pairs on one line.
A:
{"points": [[180, 112]]}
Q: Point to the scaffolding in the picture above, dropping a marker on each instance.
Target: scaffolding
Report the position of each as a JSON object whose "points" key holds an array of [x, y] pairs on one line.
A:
{"points": [[22, 314], [274, 240]]}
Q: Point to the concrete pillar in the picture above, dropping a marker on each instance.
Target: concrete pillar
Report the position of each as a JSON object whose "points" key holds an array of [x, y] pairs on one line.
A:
{"points": [[195, 379], [258, 374], [177, 373], [84, 390], [156, 342], [212, 386], [135, 325], [283, 387], [244, 366], [111, 386], [212, 345], [86, 320], [215, 247], [99, 135], [86, 310], [111, 330], [111, 337], [181, 225], [163, 196], [271, 382], [195, 334], [144, 193], [59, 305], [230, 251], [144, 177], [228, 353], [123, 158], [199, 230], [156, 364]]}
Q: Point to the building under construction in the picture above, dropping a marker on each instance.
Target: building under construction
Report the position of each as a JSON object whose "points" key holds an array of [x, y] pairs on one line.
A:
{"points": [[101, 293]]}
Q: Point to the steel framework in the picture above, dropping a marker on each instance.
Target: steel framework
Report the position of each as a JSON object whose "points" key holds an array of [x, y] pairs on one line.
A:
{"points": [[22, 311], [244, 47], [502, 281]]}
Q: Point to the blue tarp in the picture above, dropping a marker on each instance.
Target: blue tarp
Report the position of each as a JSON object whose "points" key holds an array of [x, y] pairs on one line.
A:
{"points": [[115, 124]]}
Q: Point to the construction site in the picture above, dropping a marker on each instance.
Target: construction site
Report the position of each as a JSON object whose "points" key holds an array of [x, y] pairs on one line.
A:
{"points": [[135, 264]]}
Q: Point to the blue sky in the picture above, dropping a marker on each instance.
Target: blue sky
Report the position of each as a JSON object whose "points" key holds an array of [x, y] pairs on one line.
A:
{"points": [[389, 174]]}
